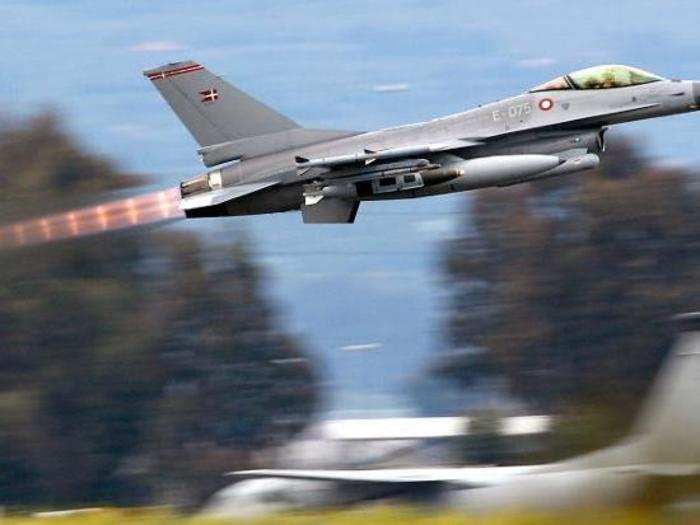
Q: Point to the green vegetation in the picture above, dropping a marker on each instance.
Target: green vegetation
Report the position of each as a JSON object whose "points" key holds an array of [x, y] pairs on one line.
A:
{"points": [[564, 288], [137, 367], [376, 516]]}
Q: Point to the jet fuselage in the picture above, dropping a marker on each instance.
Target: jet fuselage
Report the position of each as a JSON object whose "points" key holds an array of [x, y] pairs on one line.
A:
{"points": [[269, 163], [547, 123]]}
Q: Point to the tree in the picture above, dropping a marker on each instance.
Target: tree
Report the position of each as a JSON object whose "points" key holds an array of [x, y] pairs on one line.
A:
{"points": [[132, 358], [235, 382], [565, 287]]}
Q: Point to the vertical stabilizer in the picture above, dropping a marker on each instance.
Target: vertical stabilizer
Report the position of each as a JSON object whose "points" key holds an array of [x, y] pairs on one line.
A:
{"points": [[213, 110], [670, 420]]}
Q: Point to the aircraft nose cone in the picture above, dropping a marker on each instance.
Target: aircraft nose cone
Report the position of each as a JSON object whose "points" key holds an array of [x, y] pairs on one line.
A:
{"points": [[696, 93]]}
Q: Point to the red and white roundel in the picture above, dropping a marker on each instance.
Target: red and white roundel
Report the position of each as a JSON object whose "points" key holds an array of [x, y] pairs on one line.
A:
{"points": [[546, 104]]}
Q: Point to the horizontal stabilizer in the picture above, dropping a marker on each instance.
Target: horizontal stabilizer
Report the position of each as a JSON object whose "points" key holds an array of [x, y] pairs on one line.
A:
{"points": [[212, 198], [265, 144]]}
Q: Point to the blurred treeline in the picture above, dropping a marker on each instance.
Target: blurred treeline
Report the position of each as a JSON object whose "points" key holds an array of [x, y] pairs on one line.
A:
{"points": [[564, 288], [135, 367]]}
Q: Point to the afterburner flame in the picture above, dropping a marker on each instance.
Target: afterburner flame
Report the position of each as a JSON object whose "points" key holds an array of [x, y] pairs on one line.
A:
{"points": [[116, 215]]}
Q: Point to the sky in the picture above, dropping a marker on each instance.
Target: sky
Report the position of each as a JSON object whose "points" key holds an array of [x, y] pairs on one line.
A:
{"points": [[365, 298]]}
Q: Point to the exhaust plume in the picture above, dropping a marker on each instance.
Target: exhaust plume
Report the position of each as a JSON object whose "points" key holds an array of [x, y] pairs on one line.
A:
{"points": [[109, 216]]}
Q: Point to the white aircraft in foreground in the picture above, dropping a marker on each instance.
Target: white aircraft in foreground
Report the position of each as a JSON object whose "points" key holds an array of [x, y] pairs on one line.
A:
{"points": [[664, 445]]}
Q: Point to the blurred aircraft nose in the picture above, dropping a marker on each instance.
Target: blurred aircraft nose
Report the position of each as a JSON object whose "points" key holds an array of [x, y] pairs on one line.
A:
{"points": [[696, 92]]}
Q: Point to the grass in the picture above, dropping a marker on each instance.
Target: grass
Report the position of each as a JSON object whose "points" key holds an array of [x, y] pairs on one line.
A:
{"points": [[365, 516], [379, 516]]}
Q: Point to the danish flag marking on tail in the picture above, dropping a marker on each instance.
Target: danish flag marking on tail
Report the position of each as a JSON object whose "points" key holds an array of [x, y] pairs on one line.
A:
{"points": [[209, 95]]}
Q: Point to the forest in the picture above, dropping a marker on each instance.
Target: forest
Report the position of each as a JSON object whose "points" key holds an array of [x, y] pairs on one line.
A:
{"points": [[565, 288], [135, 367]]}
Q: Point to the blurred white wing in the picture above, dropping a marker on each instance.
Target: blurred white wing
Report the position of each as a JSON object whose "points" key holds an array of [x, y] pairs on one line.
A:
{"points": [[464, 477]]}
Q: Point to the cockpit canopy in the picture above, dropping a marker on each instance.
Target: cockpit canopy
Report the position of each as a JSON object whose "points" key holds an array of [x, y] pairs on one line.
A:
{"points": [[600, 77]]}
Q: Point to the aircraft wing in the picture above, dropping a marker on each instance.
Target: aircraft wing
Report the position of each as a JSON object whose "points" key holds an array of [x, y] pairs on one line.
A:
{"points": [[212, 198], [369, 156], [459, 477]]}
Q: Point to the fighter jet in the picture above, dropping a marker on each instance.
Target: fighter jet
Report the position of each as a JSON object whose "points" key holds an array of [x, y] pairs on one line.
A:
{"points": [[264, 162], [664, 446]]}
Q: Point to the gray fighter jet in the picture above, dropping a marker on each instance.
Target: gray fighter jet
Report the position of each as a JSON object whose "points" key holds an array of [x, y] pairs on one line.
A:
{"points": [[264, 162]]}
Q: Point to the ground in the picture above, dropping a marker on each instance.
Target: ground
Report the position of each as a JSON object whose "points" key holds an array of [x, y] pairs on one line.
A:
{"points": [[379, 516]]}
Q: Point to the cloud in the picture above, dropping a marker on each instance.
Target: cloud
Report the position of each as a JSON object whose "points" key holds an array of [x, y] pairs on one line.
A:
{"points": [[439, 227], [390, 88], [361, 347], [289, 361], [677, 163], [131, 131], [535, 63], [156, 46]]}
